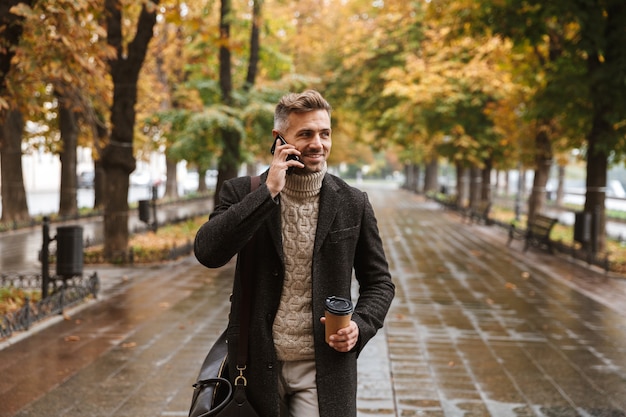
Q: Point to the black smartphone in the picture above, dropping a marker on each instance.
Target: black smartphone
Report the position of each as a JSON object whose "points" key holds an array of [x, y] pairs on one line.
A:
{"points": [[284, 142]]}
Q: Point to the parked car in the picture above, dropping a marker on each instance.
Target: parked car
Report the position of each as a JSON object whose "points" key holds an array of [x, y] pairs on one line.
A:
{"points": [[86, 179]]}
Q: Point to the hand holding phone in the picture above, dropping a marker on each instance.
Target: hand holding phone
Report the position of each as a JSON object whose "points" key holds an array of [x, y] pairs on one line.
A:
{"points": [[284, 142], [290, 157]]}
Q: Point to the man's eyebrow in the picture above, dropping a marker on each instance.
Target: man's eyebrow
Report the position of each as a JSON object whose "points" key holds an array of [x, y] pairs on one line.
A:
{"points": [[308, 130]]}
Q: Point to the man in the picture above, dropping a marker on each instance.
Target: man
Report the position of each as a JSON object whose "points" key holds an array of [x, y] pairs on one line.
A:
{"points": [[314, 231]]}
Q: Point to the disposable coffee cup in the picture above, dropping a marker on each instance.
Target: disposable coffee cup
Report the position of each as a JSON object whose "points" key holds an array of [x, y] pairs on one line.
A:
{"points": [[338, 313]]}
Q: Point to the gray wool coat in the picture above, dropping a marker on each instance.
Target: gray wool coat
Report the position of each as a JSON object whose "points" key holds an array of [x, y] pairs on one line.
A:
{"points": [[346, 241]]}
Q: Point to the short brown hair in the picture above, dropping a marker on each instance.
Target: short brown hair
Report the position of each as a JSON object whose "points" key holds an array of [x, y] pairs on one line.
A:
{"points": [[306, 101]]}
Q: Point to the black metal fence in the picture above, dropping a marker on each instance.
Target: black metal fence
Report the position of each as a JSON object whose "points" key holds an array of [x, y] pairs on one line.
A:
{"points": [[63, 293]]}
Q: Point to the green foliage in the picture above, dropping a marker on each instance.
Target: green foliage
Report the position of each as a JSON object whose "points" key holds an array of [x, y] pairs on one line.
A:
{"points": [[201, 139]]}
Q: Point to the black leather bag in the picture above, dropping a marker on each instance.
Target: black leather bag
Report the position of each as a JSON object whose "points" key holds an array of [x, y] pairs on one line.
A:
{"points": [[213, 390], [214, 395]]}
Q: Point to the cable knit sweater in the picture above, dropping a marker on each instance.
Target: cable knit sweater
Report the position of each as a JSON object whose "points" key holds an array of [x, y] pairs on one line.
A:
{"points": [[293, 326]]}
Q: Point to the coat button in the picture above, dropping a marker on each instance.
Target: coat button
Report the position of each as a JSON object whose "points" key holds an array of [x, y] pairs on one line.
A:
{"points": [[270, 365]]}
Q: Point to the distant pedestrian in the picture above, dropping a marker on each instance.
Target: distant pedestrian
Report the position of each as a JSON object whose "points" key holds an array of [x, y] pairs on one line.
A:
{"points": [[315, 231]]}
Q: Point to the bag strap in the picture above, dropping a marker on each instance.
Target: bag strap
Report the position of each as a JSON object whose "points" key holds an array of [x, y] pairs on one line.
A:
{"points": [[247, 268]]}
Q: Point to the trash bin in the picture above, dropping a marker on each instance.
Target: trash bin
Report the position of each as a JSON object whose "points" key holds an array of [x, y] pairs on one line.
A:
{"points": [[582, 227], [69, 251], [144, 211]]}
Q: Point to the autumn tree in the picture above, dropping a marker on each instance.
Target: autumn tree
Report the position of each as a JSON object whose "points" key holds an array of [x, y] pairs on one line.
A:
{"points": [[166, 93], [231, 155], [117, 157], [360, 42], [445, 86], [604, 57], [578, 83], [14, 205]]}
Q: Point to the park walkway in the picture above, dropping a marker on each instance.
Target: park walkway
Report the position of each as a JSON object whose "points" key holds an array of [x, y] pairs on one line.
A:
{"points": [[476, 329]]}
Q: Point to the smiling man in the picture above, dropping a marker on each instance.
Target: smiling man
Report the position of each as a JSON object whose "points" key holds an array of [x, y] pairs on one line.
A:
{"points": [[314, 232]]}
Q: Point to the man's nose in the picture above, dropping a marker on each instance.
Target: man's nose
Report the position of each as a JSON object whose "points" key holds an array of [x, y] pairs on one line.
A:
{"points": [[317, 140]]}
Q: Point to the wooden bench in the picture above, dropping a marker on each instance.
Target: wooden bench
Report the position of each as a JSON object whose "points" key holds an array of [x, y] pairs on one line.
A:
{"points": [[479, 212], [536, 234], [448, 201]]}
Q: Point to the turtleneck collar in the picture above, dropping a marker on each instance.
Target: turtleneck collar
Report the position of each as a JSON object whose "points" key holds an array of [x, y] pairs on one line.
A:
{"points": [[305, 185]]}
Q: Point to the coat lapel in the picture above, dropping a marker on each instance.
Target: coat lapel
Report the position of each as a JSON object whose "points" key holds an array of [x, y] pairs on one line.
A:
{"points": [[273, 227], [275, 233], [329, 204]]}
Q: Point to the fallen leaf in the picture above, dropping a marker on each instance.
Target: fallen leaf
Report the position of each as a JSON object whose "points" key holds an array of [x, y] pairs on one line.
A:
{"points": [[72, 338], [510, 286], [451, 364], [525, 275], [164, 304], [129, 345]]}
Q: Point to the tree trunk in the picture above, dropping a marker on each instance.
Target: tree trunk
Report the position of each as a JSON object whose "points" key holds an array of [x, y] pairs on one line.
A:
{"points": [[171, 178], [117, 159], [461, 184], [225, 70], [543, 163], [254, 43], [595, 196], [475, 186], [408, 176], [201, 189], [485, 182], [606, 91], [228, 164], [101, 137], [98, 185], [14, 203], [412, 174], [68, 126], [417, 178], [431, 182]]}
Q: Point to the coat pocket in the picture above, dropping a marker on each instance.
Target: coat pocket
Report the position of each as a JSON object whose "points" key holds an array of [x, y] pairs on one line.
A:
{"points": [[343, 234]]}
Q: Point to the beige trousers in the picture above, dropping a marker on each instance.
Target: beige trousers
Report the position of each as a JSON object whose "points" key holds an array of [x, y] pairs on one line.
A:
{"points": [[297, 389]]}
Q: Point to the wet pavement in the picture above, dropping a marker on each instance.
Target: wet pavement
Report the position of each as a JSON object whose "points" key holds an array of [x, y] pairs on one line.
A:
{"points": [[476, 329]]}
